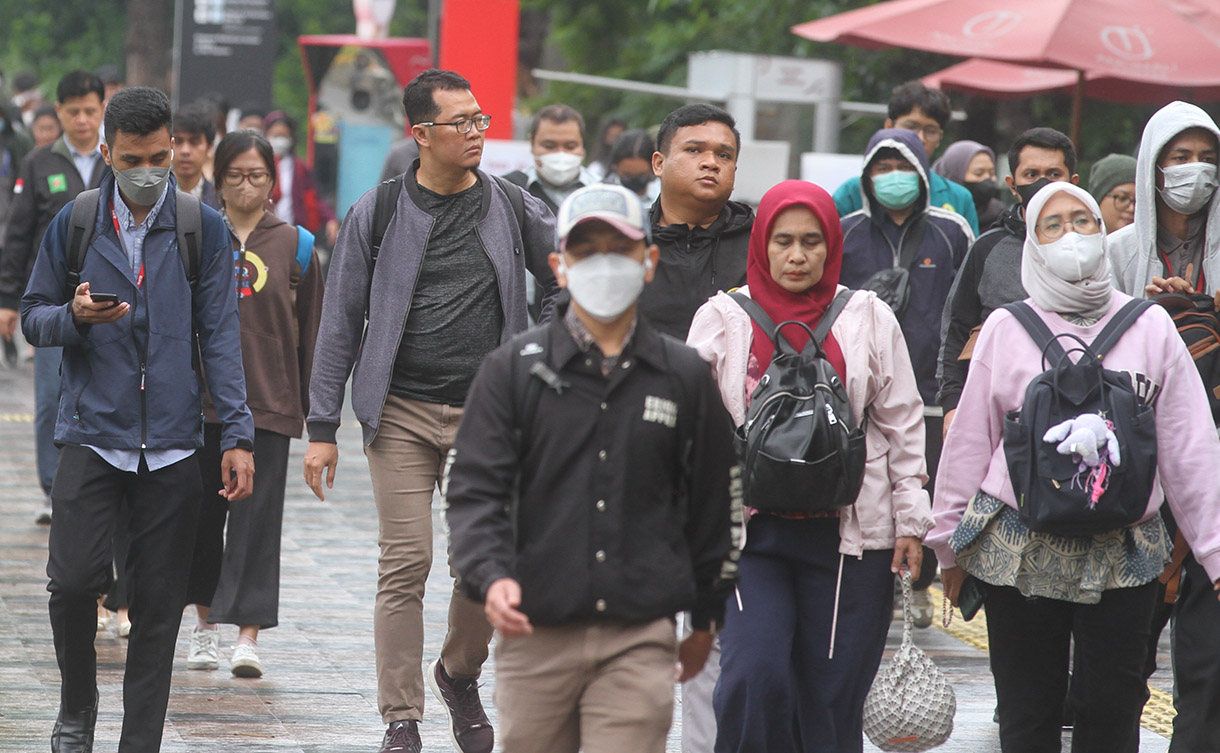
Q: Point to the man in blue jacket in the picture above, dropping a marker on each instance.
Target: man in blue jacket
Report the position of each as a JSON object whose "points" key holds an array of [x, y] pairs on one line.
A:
{"points": [[898, 235], [130, 416]]}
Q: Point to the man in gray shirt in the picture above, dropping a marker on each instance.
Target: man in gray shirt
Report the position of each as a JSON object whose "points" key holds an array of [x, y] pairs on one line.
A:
{"points": [[445, 287]]}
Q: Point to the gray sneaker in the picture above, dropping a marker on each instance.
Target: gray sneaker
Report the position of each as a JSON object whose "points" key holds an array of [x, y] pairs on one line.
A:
{"points": [[204, 652]]}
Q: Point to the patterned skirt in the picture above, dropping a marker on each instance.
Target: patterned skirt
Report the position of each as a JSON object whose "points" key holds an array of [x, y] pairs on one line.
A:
{"points": [[995, 546]]}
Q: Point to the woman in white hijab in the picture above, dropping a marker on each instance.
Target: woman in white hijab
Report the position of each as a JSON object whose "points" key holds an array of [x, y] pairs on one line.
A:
{"points": [[1041, 590]]}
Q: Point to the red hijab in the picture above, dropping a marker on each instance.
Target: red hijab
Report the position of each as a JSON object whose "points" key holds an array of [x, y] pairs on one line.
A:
{"points": [[780, 304]]}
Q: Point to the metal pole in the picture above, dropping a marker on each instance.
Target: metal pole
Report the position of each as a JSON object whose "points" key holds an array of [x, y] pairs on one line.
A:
{"points": [[435, 8]]}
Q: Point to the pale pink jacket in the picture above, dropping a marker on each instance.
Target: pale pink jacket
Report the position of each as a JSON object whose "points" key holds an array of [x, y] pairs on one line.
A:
{"points": [[1006, 359], [892, 501]]}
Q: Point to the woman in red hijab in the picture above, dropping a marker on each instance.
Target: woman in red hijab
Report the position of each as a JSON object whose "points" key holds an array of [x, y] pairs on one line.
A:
{"points": [[790, 680]]}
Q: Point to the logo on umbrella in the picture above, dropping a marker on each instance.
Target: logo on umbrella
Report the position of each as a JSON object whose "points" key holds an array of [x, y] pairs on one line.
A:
{"points": [[992, 24], [1129, 43]]}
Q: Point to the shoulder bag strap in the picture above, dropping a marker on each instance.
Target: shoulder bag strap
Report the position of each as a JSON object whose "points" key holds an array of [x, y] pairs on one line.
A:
{"points": [[1037, 329], [836, 307], [1122, 321], [80, 234]]}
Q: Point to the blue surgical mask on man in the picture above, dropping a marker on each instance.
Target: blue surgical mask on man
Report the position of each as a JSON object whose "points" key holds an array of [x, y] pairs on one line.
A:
{"points": [[897, 189]]}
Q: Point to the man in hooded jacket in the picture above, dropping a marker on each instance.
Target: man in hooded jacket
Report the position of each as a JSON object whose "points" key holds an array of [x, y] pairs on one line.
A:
{"points": [[897, 229], [1174, 246]]}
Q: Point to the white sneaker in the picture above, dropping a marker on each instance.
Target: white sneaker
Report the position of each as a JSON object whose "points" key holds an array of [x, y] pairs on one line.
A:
{"points": [[205, 649], [245, 662], [921, 608]]}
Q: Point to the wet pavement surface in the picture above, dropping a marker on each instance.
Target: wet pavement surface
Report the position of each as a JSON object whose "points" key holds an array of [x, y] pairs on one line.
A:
{"points": [[318, 693]]}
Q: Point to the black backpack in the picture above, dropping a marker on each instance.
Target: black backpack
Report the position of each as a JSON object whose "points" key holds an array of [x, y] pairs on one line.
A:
{"points": [[801, 450], [1197, 322], [189, 225], [1053, 491]]}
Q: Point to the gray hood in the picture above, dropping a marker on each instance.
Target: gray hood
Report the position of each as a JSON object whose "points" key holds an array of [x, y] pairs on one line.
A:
{"points": [[1133, 251]]}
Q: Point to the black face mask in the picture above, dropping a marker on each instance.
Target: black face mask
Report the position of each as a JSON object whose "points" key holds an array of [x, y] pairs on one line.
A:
{"points": [[982, 191], [636, 183], [1027, 191]]}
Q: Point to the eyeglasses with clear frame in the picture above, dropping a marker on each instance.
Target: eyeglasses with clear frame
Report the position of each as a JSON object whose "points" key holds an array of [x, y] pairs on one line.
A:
{"points": [[1121, 200], [258, 178], [464, 125], [1054, 227], [928, 131]]}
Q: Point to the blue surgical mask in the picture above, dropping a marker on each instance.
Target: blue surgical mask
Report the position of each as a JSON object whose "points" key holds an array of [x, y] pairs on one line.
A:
{"points": [[897, 189]]}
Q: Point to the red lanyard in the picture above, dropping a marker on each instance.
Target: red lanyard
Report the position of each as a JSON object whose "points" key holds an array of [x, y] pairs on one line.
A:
{"points": [[1169, 271], [119, 233]]}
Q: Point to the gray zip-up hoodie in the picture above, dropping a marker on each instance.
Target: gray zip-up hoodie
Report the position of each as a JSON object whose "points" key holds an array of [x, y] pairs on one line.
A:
{"points": [[1134, 259], [344, 340]]}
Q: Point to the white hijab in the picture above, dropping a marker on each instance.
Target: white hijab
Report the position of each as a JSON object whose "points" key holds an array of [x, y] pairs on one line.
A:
{"points": [[1087, 297]]}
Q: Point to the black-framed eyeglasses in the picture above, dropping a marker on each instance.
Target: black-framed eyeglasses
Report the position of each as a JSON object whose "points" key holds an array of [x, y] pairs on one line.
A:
{"points": [[465, 124], [258, 179], [1121, 200]]}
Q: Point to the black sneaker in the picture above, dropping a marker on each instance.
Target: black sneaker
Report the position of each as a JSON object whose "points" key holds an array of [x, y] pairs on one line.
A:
{"points": [[468, 725], [402, 737]]}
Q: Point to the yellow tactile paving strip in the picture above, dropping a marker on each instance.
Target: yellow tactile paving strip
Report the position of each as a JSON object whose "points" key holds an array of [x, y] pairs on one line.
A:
{"points": [[17, 418], [1158, 712]]}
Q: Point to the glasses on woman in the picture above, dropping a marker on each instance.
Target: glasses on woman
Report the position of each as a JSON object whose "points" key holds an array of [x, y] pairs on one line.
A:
{"points": [[258, 178], [1053, 228], [465, 124], [1121, 200]]}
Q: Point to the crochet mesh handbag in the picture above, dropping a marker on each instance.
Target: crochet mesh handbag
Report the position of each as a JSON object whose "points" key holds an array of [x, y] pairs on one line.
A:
{"points": [[911, 705]]}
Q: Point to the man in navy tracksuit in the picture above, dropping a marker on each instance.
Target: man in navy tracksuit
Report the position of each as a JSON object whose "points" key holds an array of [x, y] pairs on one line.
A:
{"points": [[896, 227], [130, 417]]}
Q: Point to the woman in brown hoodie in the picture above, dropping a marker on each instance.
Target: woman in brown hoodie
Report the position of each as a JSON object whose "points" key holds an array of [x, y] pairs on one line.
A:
{"points": [[235, 576]]}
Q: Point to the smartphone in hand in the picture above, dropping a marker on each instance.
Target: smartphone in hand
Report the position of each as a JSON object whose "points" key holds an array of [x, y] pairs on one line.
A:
{"points": [[111, 298]]}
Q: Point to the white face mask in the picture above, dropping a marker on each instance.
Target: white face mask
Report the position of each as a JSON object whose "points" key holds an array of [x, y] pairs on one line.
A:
{"points": [[281, 145], [605, 285], [1188, 187], [559, 168], [1074, 257]]}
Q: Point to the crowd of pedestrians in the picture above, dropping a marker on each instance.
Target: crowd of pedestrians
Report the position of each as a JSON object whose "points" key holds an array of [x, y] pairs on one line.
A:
{"points": [[579, 357]]}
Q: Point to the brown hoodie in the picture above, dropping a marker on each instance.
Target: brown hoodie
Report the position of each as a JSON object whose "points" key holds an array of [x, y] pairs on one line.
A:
{"points": [[280, 310]]}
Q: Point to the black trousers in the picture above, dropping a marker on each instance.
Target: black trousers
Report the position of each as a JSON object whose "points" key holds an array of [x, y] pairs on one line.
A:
{"points": [[86, 498], [1196, 663], [933, 427], [236, 571], [1029, 649]]}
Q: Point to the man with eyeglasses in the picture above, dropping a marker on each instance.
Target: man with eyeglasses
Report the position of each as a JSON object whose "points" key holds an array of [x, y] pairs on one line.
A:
{"points": [[1112, 183], [415, 318], [1174, 247], [915, 107]]}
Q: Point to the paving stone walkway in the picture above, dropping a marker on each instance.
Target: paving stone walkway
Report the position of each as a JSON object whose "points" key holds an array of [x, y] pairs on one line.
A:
{"points": [[319, 691]]}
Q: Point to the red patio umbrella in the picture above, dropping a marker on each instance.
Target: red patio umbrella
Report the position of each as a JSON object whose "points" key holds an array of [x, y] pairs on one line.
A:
{"points": [[997, 80], [1163, 42]]}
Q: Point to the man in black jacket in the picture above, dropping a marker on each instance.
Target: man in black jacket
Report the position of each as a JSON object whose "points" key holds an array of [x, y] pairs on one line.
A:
{"points": [[703, 237], [614, 450], [51, 176], [990, 276]]}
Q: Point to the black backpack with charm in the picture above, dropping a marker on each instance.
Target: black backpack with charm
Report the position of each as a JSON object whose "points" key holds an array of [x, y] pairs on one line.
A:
{"points": [[800, 447]]}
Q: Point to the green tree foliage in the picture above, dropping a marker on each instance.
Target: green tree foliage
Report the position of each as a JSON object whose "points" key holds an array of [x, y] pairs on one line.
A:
{"points": [[53, 38]]}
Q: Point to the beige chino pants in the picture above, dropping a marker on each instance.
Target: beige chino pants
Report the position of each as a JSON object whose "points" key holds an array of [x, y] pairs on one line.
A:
{"points": [[406, 461], [604, 687]]}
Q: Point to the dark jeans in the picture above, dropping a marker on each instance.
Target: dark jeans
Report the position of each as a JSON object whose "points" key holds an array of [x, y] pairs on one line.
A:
{"points": [[1029, 645], [237, 572], [163, 505], [1196, 664], [779, 691]]}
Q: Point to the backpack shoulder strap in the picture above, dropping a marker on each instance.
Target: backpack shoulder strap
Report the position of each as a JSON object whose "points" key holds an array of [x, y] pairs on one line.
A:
{"points": [[80, 233], [836, 307], [383, 211], [530, 373], [515, 198], [1037, 329], [755, 311], [1122, 321], [911, 245], [189, 219], [304, 249]]}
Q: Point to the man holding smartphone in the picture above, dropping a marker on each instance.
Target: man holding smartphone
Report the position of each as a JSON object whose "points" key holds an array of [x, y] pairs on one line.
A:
{"points": [[130, 421]]}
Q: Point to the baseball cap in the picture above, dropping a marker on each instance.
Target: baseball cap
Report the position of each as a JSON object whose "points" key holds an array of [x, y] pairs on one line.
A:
{"points": [[614, 205]]}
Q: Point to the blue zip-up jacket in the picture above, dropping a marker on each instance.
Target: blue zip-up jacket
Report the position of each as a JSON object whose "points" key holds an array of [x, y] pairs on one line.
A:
{"points": [[872, 242], [131, 384]]}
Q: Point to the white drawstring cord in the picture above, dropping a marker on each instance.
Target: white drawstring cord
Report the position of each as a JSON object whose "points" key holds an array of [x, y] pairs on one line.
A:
{"points": [[834, 621]]}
